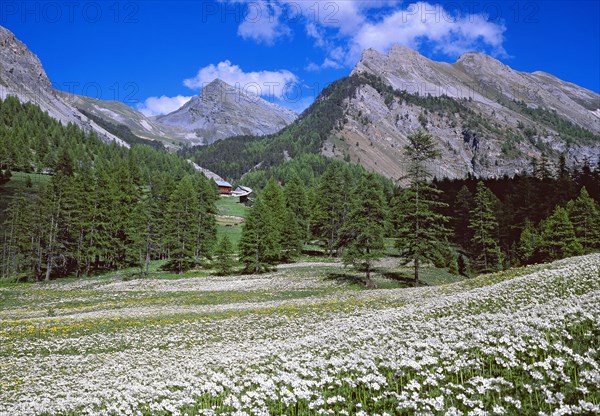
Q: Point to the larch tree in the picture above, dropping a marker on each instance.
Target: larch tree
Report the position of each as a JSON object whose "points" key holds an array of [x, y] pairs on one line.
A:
{"points": [[484, 224], [585, 217], [296, 202], [224, 256], [182, 217], [528, 244], [362, 236], [463, 205], [422, 233], [558, 239], [331, 206], [260, 242]]}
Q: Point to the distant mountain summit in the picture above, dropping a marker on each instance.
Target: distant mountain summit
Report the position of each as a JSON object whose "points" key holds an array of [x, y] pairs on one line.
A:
{"points": [[22, 76], [218, 112], [488, 119], [221, 111]]}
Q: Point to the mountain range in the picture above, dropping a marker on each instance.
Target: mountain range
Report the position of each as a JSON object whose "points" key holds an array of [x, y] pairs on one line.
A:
{"points": [[498, 120], [488, 119]]}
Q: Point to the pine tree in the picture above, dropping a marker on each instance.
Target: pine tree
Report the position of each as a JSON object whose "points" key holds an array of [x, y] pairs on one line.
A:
{"points": [[260, 241], [282, 220], [363, 234], [143, 233], [224, 256], [296, 202], [463, 204], [584, 214], [484, 244], [206, 226], [54, 222], [182, 217], [331, 205], [528, 245], [422, 232], [291, 237], [558, 239]]}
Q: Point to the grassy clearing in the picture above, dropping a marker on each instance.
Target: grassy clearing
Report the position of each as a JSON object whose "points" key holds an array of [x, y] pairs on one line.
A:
{"points": [[231, 207], [230, 217]]}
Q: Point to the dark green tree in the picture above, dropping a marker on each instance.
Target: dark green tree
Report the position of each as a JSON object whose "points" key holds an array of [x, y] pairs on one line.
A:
{"points": [[296, 202], [206, 226], [183, 211], [558, 239], [487, 256], [331, 205], [528, 245], [585, 217], [260, 242], [463, 204], [362, 236], [421, 232], [224, 256]]}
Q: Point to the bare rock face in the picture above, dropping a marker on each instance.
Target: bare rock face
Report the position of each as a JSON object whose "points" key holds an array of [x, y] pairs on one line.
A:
{"points": [[221, 111], [501, 124], [116, 112], [22, 76]]}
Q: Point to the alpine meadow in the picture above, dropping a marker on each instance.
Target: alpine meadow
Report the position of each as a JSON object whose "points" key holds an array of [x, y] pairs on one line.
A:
{"points": [[368, 208]]}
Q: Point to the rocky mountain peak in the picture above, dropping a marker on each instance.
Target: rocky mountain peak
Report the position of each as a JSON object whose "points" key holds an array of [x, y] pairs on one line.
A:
{"points": [[502, 117], [19, 64], [480, 61], [221, 110], [401, 52]]}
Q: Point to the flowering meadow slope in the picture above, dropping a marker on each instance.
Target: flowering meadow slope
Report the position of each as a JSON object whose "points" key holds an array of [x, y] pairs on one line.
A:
{"points": [[526, 341]]}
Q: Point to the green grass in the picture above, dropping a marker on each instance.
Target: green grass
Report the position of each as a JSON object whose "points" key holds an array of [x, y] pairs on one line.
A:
{"points": [[231, 207], [234, 232], [231, 227]]}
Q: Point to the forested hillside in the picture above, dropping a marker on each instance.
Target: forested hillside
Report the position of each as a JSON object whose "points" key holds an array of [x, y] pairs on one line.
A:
{"points": [[469, 226], [108, 207], [105, 206]]}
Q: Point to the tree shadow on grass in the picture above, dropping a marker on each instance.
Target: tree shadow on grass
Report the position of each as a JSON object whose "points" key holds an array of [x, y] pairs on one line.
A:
{"points": [[314, 252], [346, 278], [402, 277]]}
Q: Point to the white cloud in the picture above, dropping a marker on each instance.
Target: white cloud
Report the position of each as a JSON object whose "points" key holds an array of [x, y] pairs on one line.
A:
{"points": [[263, 23], [451, 35], [342, 29], [327, 64], [267, 83], [155, 106]]}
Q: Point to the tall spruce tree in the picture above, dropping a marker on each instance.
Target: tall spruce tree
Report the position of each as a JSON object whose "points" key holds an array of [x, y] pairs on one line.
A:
{"points": [[558, 239], [362, 237], [331, 205], [585, 217], [422, 233], [296, 202], [260, 242], [463, 204], [183, 211], [206, 225], [224, 256], [484, 244], [528, 245]]}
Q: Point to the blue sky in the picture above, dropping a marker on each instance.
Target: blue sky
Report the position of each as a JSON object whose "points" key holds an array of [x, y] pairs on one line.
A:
{"points": [[154, 55]]}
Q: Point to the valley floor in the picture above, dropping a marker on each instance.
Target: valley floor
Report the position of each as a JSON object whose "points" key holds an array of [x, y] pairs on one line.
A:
{"points": [[523, 341]]}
